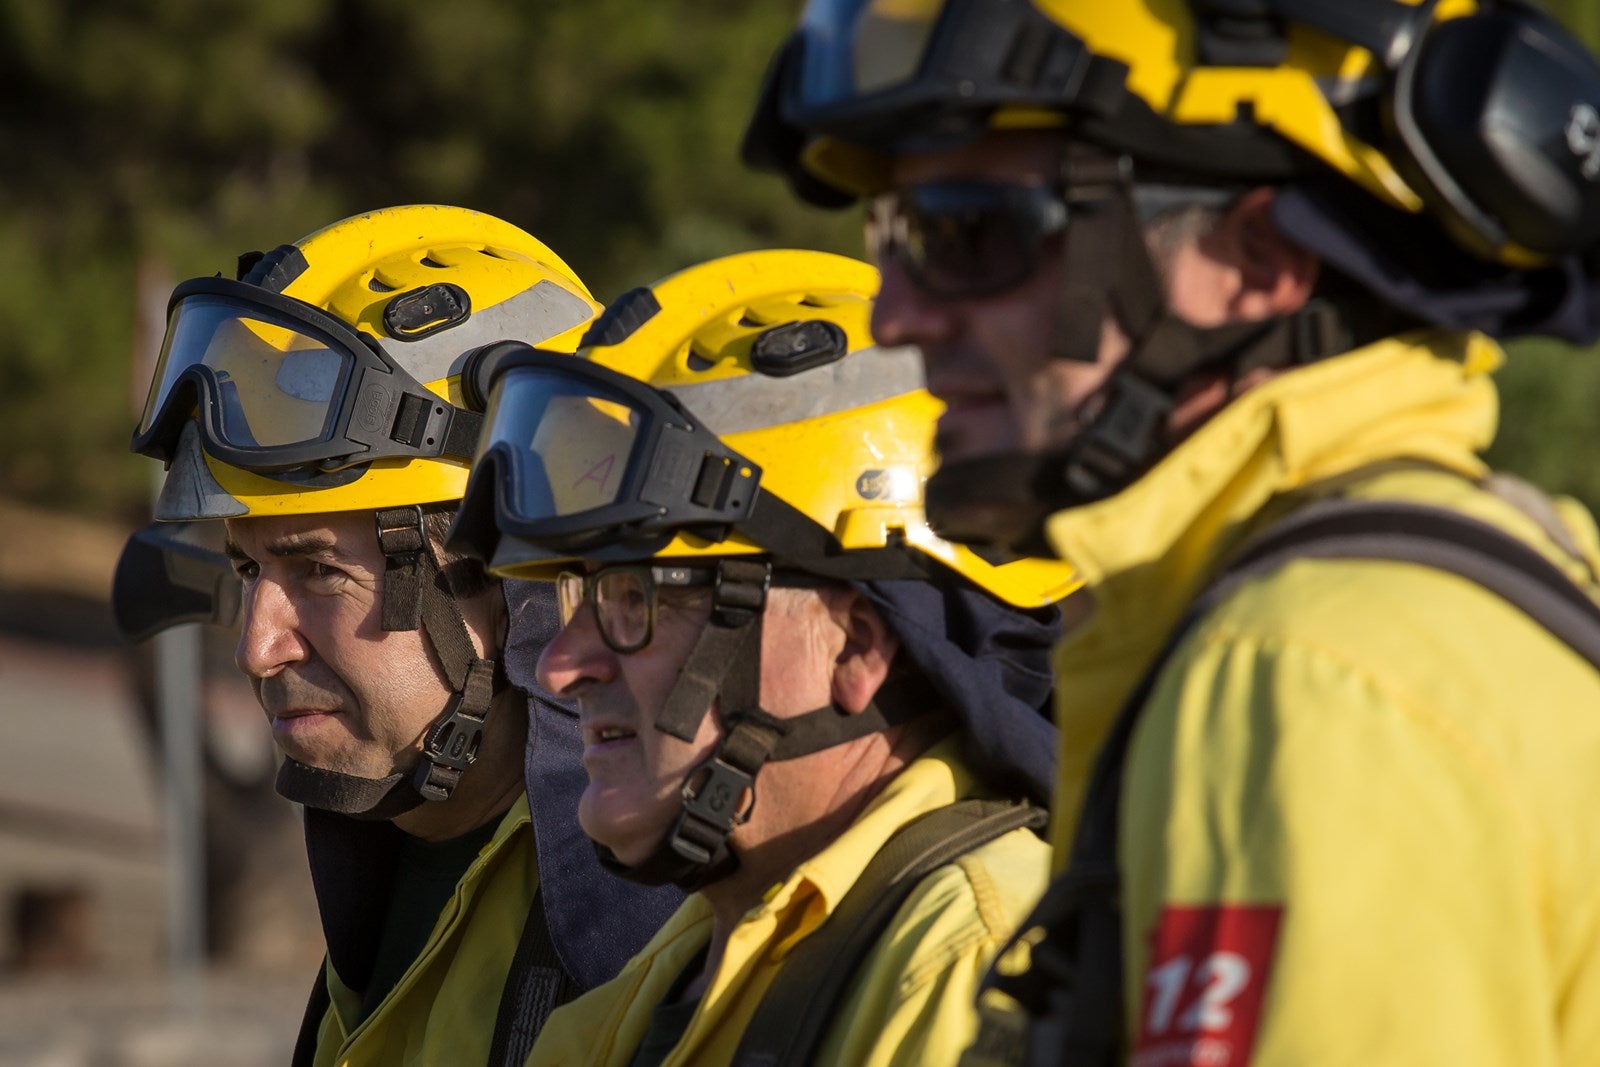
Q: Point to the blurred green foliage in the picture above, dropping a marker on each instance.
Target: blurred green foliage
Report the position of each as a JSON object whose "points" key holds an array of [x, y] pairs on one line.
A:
{"points": [[170, 135], [179, 133]]}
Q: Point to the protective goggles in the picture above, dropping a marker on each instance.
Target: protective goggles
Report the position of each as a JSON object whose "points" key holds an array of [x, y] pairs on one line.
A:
{"points": [[964, 239], [276, 384], [581, 460], [857, 67]]}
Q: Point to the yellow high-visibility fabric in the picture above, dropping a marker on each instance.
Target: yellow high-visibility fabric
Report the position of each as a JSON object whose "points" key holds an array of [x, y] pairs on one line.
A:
{"points": [[442, 1011], [912, 1001], [1395, 763]]}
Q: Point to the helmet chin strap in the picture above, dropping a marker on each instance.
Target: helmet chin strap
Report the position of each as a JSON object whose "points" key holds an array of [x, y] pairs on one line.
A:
{"points": [[1002, 500], [415, 595], [724, 668], [369, 799]]}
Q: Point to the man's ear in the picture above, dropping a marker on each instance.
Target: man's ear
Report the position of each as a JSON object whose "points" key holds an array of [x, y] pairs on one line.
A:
{"points": [[869, 647], [1272, 275]]}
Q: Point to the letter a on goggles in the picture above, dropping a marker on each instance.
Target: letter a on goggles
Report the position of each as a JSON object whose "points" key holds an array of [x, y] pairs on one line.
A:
{"points": [[585, 457], [276, 384]]}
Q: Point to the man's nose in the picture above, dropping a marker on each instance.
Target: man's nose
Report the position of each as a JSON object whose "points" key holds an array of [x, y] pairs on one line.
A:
{"points": [[576, 656], [905, 314], [270, 637]]}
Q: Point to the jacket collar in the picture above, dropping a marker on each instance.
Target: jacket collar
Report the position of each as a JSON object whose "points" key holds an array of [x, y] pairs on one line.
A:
{"points": [[1146, 552]]}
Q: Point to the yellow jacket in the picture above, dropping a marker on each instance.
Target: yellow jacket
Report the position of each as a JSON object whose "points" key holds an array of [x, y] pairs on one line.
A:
{"points": [[912, 1002], [1359, 819], [443, 1009]]}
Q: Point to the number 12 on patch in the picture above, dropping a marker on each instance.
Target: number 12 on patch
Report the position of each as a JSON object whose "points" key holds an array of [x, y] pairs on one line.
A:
{"points": [[1203, 989]]}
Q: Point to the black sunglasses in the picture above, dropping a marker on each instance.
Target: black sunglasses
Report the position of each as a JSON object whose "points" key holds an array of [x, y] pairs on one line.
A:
{"points": [[963, 239]]}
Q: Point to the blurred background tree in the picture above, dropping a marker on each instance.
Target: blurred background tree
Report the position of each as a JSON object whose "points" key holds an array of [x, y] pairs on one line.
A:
{"points": [[179, 133], [174, 134]]}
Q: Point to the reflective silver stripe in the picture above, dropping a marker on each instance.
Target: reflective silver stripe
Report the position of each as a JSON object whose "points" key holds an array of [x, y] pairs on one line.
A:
{"points": [[755, 401], [189, 491], [536, 314]]}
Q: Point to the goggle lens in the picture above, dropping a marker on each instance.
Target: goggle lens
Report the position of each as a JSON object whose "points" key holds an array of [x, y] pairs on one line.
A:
{"points": [[274, 382]]}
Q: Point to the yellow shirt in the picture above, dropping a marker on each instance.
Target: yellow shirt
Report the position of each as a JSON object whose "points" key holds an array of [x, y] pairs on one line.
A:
{"points": [[442, 1011], [1359, 819], [912, 1001]]}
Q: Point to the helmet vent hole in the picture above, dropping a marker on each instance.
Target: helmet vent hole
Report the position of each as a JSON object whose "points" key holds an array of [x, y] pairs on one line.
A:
{"points": [[494, 253], [429, 261], [749, 319], [698, 360], [809, 301], [379, 286]]}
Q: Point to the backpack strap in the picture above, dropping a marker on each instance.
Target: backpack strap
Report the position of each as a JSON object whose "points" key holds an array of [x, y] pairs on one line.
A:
{"points": [[789, 1024], [535, 986], [1073, 990]]}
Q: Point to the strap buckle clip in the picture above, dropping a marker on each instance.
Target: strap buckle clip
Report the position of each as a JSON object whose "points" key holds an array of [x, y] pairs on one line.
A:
{"points": [[719, 797]]}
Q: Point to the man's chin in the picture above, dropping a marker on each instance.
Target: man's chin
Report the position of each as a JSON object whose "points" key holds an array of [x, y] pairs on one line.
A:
{"points": [[628, 834]]}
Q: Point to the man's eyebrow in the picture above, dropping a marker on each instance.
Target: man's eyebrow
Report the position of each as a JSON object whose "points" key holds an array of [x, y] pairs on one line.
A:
{"points": [[286, 546]]}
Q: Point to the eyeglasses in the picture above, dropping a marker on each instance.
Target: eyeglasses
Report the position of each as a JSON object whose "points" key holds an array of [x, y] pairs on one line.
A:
{"points": [[624, 596], [965, 239]]}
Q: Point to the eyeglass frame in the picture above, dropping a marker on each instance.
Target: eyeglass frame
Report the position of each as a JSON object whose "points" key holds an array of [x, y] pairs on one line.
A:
{"points": [[677, 575]]}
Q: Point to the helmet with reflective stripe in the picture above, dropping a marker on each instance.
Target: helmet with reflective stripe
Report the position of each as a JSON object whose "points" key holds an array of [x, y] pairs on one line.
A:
{"points": [[736, 422], [1484, 115], [327, 379], [738, 407]]}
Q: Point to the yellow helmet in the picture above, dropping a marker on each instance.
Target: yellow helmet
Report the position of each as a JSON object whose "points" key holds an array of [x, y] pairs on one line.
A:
{"points": [[1484, 115], [328, 377], [735, 408]]}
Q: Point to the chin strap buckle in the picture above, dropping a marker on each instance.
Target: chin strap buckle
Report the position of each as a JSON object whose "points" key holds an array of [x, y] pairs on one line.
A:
{"points": [[452, 745], [720, 794]]}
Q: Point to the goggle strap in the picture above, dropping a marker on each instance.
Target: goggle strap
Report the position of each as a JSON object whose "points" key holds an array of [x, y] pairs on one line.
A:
{"points": [[461, 439], [797, 540]]}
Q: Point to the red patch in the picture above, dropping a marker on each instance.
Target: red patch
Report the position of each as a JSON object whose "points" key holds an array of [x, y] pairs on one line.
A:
{"points": [[1202, 993]]}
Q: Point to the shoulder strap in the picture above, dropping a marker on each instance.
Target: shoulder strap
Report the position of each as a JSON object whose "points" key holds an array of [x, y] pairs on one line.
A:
{"points": [[1074, 988], [535, 986], [1432, 537], [793, 1016]]}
